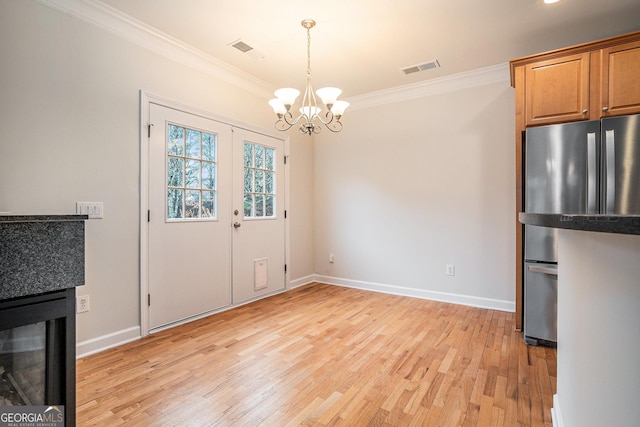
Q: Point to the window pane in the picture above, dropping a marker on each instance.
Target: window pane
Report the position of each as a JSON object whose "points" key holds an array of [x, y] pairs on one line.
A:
{"points": [[208, 147], [174, 203], [259, 181], [193, 174], [175, 142], [259, 156], [268, 206], [269, 159], [248, 180], [192, 205], [269, 184], [259, 205], [248, 205], [175, 172], [208, 204], [208, 176], [248, 154], [193, 144]]}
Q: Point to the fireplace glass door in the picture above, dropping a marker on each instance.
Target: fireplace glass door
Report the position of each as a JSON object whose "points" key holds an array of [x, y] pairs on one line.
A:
{"points": [[32, 353]]}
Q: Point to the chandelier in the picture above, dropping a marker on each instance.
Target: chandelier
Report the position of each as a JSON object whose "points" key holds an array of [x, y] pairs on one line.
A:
{"points": [[311, 116]]}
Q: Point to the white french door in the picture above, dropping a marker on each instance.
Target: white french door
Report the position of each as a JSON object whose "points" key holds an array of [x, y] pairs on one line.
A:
{"points": [[258, 216], [215, 231], [189, 252]]}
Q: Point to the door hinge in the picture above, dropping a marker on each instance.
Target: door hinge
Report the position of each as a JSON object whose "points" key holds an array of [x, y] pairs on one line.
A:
{"points": [[148, 300], [285, 214], [149, 130], [148, 216], [285, 159], [285, 268]]}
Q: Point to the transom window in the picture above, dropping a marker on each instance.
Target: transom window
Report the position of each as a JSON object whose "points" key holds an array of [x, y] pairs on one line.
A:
{"points": [[259, 181], [191, 174]]}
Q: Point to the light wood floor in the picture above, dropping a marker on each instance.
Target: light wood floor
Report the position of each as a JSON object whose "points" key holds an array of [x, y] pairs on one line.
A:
{"points": [[325, 355]]}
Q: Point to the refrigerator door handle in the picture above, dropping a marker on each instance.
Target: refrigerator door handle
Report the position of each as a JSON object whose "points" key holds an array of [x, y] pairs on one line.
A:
{"points": [[544, 270], [592, 174], [610, 187]]}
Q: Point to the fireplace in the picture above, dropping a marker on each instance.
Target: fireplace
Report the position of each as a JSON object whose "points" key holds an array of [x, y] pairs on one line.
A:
{"points": [[41, 263]]}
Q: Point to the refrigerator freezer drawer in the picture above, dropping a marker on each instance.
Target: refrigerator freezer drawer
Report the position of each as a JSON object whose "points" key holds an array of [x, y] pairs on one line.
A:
{"points": [[540, 302]]}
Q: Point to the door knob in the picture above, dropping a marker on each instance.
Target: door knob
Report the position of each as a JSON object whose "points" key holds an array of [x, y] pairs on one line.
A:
{"points": [[236, 225]]}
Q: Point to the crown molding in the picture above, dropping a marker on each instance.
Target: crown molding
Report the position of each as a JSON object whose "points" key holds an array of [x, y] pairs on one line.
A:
{"points": [[480, 77], [103, 16], [141, 34]]}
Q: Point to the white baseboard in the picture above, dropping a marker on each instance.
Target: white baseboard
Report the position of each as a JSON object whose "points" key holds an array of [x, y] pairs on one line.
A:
{"points": [[302, 281], [493, 304], [114, 339], [96, 345], [556, 416]]}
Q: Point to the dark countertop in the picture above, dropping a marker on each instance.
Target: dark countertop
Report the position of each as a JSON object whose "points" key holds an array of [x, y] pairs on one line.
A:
{"points": [[619, 224], [41, 218], [40, 254]]}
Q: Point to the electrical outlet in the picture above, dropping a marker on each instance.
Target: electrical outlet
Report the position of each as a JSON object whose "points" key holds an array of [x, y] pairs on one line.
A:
{"points": [[451, 270], [331, 258], [82, 304]]}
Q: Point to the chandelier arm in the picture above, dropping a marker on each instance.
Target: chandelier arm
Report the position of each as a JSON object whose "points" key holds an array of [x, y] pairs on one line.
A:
{"points": [[328, 115], [335, 126]]}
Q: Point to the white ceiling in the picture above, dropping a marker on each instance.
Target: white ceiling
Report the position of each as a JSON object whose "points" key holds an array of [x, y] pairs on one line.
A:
{"points": [[361, 45]]}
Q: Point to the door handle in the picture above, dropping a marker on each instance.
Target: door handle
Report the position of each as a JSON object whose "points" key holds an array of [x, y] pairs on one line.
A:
{"points": [[544, 270], [236, 224], [610, 164], [591, 173]]}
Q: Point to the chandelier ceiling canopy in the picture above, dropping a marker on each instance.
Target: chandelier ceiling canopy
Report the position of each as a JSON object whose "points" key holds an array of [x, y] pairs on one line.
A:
{"points": [[310, 116]]}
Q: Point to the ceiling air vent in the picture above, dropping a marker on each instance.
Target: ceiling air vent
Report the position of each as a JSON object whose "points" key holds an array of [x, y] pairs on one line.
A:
{"points": [[421, 67], [245, 48]]}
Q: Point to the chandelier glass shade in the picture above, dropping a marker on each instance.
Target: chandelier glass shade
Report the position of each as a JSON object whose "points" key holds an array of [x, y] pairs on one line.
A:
{"points": [[311, 116]]}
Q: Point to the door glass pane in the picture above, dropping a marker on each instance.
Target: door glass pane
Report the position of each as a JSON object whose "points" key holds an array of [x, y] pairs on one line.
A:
{"points": [[193, 144], [259, 156], [259, 181], [208, 175], [248, 154], [192, 204], [208, 204], [191, 174], [269, 159], [248, 205], [208, 147], [175, 140], [175, 199]]}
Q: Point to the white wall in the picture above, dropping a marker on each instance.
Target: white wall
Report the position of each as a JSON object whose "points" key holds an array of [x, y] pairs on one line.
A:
{"points": [[409, 187], [69, 111], [598, 318]]}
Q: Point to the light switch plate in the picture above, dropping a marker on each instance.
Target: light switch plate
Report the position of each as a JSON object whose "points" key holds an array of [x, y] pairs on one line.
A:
{"points": [[93, 209]]}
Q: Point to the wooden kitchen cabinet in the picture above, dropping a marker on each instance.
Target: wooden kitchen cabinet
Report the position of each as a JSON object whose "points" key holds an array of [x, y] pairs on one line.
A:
{"points": [[586, 82], [620, 81], [557, 90]]}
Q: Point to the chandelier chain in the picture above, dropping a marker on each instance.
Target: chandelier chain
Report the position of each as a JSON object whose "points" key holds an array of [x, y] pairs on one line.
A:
{"points": [[308, 51]]}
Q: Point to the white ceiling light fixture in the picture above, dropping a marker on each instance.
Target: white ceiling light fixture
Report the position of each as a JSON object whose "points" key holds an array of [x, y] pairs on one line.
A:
{"points": [[550, 1], [311, 116]]}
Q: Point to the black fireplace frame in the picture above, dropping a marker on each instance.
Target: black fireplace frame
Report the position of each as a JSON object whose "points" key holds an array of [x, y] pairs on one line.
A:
{"points": [[60, 388]]}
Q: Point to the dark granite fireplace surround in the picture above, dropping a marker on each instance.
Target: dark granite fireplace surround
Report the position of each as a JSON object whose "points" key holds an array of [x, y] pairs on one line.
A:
{"points": [[41, 263]]}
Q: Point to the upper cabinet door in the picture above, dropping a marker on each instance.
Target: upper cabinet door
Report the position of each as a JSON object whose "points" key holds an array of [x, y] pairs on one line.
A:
{"points": [[621, 80], [557, 90]]}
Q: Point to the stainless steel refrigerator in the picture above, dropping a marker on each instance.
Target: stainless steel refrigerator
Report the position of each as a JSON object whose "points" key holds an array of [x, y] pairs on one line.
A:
{"points": [[588, 167]]}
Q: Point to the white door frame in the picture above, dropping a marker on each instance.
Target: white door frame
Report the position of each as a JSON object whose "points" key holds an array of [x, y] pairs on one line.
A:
{"points": [[146, 99]]}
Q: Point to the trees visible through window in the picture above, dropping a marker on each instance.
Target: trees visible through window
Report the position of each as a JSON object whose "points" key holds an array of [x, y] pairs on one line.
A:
{"points": [[259, 181], [191, 174]]}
